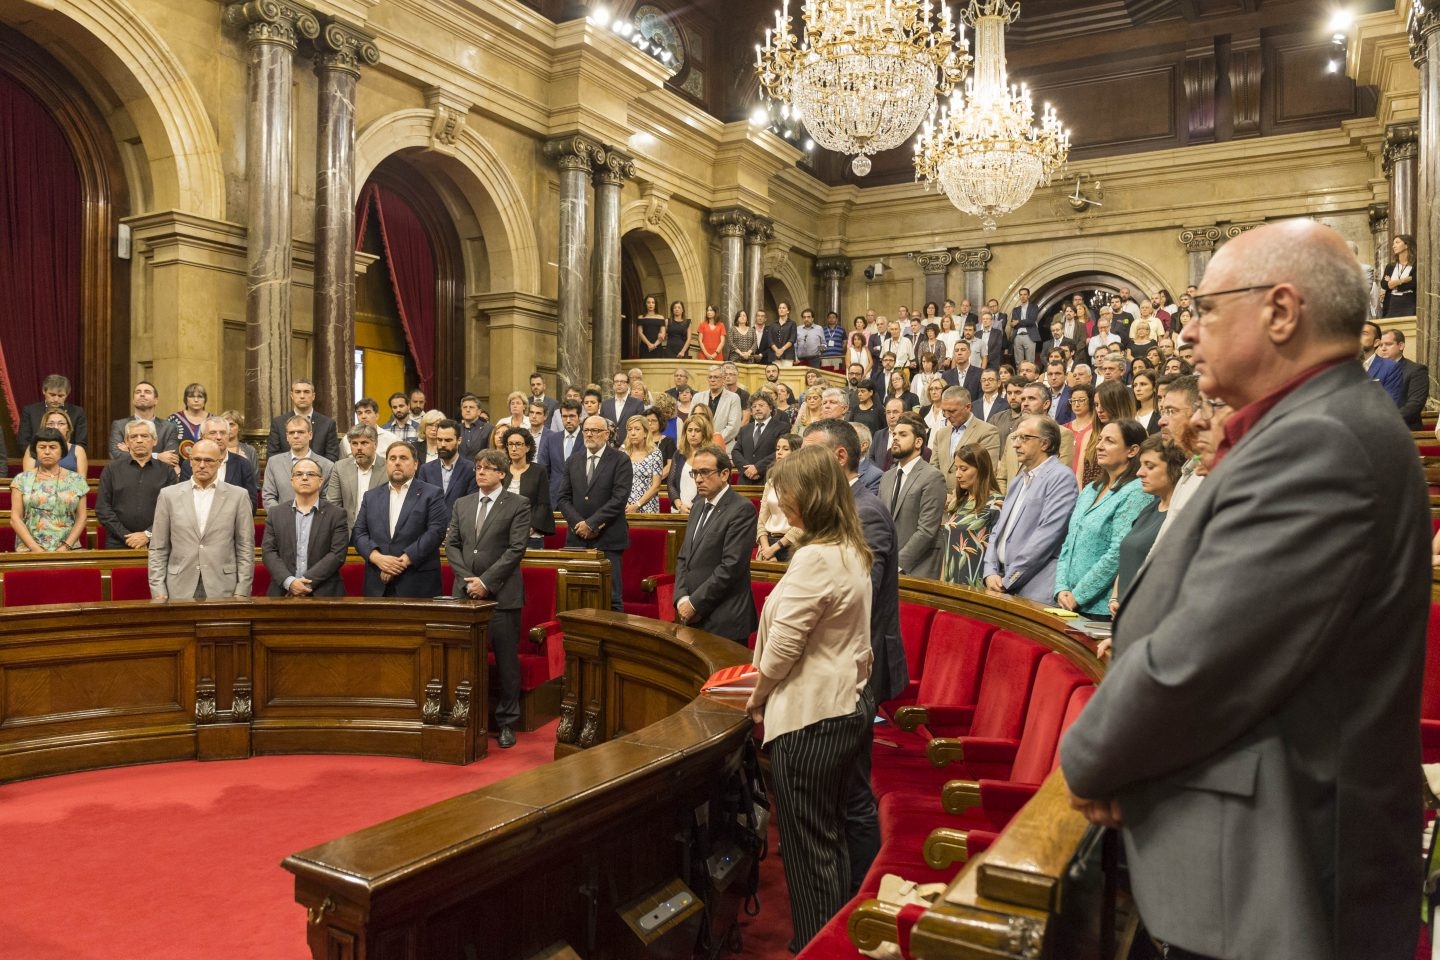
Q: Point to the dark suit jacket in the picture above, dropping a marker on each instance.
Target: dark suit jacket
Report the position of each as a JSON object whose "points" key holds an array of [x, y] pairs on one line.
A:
{"points": [[1415, 388], [325, 553], [324, 440], [535, 487], [1048, 345], [632, 408], [713, 568], [1253, 797], [1027, 318], [462, 479], [599, 503], [167, 436], [494, 553], [994, 348], [551, 456], [971, 380], [889, 674], [758, 453], [34, 413], [418, 531]]}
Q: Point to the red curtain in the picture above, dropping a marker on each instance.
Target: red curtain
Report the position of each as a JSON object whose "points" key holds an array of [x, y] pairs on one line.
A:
{"points": [[410, 261], [41, 200]]}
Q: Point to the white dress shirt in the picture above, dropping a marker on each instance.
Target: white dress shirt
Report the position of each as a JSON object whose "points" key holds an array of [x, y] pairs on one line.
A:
{"points": [[397, 503], [204, 498]]}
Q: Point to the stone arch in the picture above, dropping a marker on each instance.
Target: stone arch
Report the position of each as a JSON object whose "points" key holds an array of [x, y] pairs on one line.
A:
{"points": [[784, 282], [674, 256], [477, 188], [1141, 275], [123, 63]]}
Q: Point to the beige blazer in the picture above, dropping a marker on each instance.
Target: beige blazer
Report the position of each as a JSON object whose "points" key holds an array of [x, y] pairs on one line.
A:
{"points": [[976, 431], [223, 558], [815, 638]]}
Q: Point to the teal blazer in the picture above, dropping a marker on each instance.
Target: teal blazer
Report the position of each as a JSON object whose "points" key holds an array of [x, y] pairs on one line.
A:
{"points": [[1090, 556]]}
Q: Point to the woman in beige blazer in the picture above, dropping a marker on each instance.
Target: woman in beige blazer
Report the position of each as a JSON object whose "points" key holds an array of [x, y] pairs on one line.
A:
{"points": [[813, 653]]}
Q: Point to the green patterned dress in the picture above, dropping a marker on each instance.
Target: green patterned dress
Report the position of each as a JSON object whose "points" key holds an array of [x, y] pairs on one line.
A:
{"points": [[966, 532]]}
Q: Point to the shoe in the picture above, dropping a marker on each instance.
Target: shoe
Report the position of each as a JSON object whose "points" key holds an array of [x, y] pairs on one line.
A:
{"points": [[507, 738]]}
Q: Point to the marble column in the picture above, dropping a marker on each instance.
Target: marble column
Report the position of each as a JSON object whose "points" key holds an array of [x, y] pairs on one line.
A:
{"points": [[973, 262], [935, 266], [1425, 51], [1199, 244], [272, 31], [575, 157], [1379, 235], [1402, 168], [832, 271], [611, 171], [340, 49], [731, 224], [757, 234]]}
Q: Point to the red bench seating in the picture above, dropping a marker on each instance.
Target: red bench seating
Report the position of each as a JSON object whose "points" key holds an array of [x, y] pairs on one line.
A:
{"points": [[1430, 692], [27, 588], [950, 675], [644, 559]]}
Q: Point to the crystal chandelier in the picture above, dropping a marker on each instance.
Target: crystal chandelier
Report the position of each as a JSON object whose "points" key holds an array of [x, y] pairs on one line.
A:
{"points": [[984, 148], [866, 73]]}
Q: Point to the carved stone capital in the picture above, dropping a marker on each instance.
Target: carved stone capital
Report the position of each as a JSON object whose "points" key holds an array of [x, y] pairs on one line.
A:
{"points": [[730, 223], [430, 709], [343, 47], [1379, 218], [1423, 27], [612, 167], [1402, 143], [759, 231], [1233, 230], [935, 263], [274, 21], [575, 152], [657, 202], [1199, 239], [973, 259], [833, 266], [451, 111]]}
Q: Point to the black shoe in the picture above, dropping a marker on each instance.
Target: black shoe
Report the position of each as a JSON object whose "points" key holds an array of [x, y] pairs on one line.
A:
{"points": [[507, 738]]}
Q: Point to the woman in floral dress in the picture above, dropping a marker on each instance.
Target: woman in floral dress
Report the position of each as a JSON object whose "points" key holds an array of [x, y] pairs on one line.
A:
{"points": [[646, 467], [971, 514], [47, 504]]}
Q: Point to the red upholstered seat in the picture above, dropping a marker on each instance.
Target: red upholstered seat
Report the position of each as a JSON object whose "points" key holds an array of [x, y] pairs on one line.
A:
{"points": [[7, 539], [102, 538], [915, 634], [645, 557], [353, 576], [90, 497], [259, 532], [130, 583], [1429, 697], [556, 540], [950, 675], [761, 592], [25, 588], [261, 583], [447, 579]]}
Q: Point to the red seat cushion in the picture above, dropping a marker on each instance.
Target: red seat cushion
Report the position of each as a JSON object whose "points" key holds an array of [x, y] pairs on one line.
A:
{"points": [[447, 579], [353, 576], [914, 633], [24, 588], [261, 583], [130, 583], [541, 584], [645, 557], [556, 540]]}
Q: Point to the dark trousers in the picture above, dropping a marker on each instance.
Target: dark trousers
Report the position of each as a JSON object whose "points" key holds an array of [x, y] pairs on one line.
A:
{"points": [[505, 641], [862, 819], [810, 768], [616, 586]]}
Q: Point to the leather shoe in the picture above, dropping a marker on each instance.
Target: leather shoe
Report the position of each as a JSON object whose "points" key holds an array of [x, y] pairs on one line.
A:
{"points": [[507, 738]]}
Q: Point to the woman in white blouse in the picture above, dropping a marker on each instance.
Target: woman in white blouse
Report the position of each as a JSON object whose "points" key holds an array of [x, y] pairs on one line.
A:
{"points": [[813, 654], [775, 536]]}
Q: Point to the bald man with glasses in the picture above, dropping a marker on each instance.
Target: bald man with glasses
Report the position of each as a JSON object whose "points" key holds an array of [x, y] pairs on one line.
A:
{"points": [[593, 495], [305, 539]]}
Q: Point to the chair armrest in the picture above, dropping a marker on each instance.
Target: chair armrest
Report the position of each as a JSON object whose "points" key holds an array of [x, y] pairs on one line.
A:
{"points": [[1005, 796], [908, 718], [551, 638], [957, 796], [945, 750], [990, 749], [650, 584], [946, 847]]}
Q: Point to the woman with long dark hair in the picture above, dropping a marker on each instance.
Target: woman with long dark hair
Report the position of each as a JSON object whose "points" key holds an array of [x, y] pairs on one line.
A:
{"points": [[650, 329], [1398, 280], [969, 517], [677, 332]]}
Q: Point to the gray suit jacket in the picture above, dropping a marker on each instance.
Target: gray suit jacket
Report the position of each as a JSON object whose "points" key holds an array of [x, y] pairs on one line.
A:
{"points": [[168, 438], [223, 559], [1260, 723], [1033, 541], [727, 415], [976, 431], [494, 553], [276, 488], [343, 487], [918, 517]]}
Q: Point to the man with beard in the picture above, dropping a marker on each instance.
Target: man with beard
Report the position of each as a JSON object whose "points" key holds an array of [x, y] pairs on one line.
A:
{"points": [[452, 473]]}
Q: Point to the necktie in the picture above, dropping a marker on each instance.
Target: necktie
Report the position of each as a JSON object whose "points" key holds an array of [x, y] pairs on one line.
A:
{"points": [[590, 467], [758, 427], [482, 513], [895, 494], [704, 516], [569, 444]]}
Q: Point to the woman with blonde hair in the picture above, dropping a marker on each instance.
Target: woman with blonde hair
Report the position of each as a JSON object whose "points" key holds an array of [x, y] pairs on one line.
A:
{"points": [[646, 465], [813, 655], [59, 421], [810, 409], [697, 430], [429, 425], [516, 403], [233, 444]]}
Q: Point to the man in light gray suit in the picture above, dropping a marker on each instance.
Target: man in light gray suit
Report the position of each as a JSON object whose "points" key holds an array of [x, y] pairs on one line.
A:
{"points": [[915, 493], [964, 428], [1025, 543], [1257, 735], [723, 404], [277, 489], [202, 543], [356, 475]]}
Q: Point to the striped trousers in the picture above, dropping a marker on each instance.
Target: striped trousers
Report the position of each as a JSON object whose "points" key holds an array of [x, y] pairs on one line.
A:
{"points": [[811, 770]]}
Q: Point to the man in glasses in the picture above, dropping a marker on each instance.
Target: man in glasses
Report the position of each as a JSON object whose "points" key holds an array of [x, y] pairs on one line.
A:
{"points": [[1258, 731], [306, 539], [202, 542], [712, 570], [1025, 543], [593, 495]]}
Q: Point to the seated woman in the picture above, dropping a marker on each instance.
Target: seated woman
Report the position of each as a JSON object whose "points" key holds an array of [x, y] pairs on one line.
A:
{"points": [[1103, 514], [530, 480], [810, 407], [774, 536], [76, 460], [47, 503], [785, 403], [1159, 472], [969, 516], [813, 657]]}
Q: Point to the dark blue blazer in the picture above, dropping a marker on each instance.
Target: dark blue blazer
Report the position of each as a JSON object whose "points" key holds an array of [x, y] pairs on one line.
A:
{"points": [[418, 532], [551, 455], [462, 479], [1063, 413], [971, 382], [631, 408], [889, 674], [600, 503]]}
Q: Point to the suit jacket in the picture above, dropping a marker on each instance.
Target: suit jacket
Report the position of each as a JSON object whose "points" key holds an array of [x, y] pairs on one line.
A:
{"points": [[999, 405], [889, 673], [600, 502], [1026, 317], [1076, 346], [879, 453], [870, 475], [727, 415], [551, 456], [343, 486], [418, 529], [492, 553], [1387, 374], [713, 568], [994, 346], [473, 439], [970, 380], [223, 558], [276, 489], [918, 517], [34, 413], [976, 431], [758, 453], [535, 487], [324, 553], [1061, 406], [1253, 797], [1415, 386], [1034, 539], [632, 408], [325, 440], [462, 479], [169, 436]]}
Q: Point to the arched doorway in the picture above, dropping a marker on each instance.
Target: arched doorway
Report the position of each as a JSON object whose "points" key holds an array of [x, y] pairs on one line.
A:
{"points": [[648, 268], [1094, 286]]}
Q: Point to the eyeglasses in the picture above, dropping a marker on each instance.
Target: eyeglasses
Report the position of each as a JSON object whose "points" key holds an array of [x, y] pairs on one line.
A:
{"points": [[307, 474], [1213, 405], [514, 443], [1171, 413], [590, 430], [1024, 437], [1202, 311], [704, 472], [194, 460]]}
